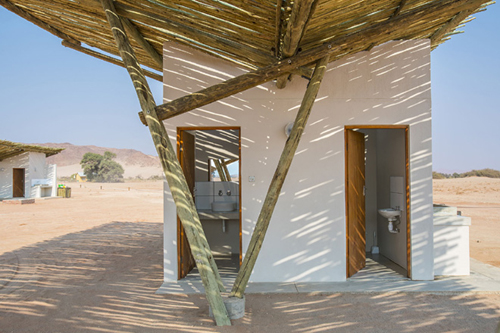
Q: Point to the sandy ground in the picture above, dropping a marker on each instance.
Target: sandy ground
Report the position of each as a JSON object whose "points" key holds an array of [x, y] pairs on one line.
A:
{"points": [[92, 263]]}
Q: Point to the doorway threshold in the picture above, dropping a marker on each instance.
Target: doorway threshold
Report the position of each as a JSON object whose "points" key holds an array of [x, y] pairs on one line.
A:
{"points": [[379, 267]]}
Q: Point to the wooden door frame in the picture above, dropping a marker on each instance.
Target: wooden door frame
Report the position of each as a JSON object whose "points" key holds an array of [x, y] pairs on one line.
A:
{"points": [[212, 128], [14, 179], [407, 176]]}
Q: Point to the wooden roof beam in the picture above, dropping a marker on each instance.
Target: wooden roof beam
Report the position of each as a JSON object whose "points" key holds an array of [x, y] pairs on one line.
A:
{"points": [[139, 38], [301, 12], [451, 25], [380, 33], [396, 13], [36, 21], [107, 58], [277, 37], [399, 9]]}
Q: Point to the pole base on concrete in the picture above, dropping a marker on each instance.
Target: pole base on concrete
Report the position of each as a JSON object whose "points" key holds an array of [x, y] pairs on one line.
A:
{"points": [[235, 307]]}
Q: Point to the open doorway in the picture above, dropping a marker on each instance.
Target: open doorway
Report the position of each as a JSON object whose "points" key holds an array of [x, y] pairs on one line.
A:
{"points": [[377, 170], [210, 159]]}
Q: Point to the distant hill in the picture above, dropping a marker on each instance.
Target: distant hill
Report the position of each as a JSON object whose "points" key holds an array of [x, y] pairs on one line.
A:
{"points": [[134, 162]]}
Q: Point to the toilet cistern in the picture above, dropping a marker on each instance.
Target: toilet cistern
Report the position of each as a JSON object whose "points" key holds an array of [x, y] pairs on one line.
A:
{"points": [[392, 215]]}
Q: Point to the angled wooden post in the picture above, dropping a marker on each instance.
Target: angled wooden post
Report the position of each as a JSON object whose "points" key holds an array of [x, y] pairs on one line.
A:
{"points": [[173, 172], [278, 180]]}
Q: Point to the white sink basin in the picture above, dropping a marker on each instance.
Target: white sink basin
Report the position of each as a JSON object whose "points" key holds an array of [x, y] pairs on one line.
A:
{"points": [[223, 206], [389, 213]]}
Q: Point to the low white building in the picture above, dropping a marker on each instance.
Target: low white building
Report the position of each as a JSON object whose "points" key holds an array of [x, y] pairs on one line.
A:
{"points": [[322, 226], [24, 172]]}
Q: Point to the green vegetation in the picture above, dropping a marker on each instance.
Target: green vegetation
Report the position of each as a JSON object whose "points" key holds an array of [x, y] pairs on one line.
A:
{"points": [[99, 168], [490, 173]]}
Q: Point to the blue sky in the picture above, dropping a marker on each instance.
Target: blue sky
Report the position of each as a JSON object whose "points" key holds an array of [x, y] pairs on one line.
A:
{"points": [[49, 93]]}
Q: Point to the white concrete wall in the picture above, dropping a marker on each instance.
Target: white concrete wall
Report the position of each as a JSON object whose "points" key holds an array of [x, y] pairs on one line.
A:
{"points": [[37, 170], [306, 237], [451, 242]]}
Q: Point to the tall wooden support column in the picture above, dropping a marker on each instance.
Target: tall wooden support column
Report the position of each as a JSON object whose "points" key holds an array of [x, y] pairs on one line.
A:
{"points": [[173, 172], [278, 180]]}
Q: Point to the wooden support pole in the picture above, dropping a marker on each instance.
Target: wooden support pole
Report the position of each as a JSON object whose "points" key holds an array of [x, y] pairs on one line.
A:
{"points": [[27, 16], [107, 58], [230, 161], [226, 171], [173, 172], [220, 171], [278, 180], [381, 32], [301, 11], [139, 38]]}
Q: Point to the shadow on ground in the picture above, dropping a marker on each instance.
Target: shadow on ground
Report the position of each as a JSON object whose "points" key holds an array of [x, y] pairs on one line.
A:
{"points": [[104, 280]]}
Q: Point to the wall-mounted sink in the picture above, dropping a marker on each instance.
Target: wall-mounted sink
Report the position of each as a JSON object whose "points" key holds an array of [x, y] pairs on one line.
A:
{"points": [[223, 206], [389, 213]]}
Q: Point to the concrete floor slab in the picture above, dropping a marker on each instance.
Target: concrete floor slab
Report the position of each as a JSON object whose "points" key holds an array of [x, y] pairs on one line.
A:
{"points": [[379, 275]]}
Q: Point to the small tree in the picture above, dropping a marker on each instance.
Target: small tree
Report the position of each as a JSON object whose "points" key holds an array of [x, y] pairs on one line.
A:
{"points": [[90, 164], [101, 168]]}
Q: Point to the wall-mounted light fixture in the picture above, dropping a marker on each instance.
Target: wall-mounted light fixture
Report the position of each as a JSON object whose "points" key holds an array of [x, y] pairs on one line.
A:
{"points": [[288, 128]]}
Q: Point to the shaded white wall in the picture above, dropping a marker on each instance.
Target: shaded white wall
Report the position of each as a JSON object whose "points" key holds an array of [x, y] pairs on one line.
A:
{"points": [[224, 145], [371, 213], [391, 163], [227, 242], [306, 237]]}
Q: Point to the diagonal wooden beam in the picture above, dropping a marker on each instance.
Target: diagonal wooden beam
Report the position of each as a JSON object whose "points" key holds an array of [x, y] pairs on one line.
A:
{"points": [[380, 33], [278, 180], [27, 16], [139, 38], [173, 171], [107, 58], [399, 9], [301, 12]]}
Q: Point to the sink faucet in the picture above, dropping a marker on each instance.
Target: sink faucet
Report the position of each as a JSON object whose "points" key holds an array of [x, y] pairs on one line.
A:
{"points": [[228, 192], [221, 193]]}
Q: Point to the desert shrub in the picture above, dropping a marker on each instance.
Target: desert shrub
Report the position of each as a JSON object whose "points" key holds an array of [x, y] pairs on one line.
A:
{"points": [[438, 175], [156, 177], [490, 173]]}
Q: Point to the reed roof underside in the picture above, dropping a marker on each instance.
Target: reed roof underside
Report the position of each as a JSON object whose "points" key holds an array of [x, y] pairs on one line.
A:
{"points": [[251, 33]]}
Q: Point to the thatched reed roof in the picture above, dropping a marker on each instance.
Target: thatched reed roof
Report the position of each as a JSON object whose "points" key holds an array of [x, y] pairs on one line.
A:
{"points": [[252, 33], [10, 149]]}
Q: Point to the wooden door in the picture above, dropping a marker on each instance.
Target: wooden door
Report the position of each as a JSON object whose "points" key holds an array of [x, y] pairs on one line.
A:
{"points": [[355, 173], [18, 183], [186, 142]]}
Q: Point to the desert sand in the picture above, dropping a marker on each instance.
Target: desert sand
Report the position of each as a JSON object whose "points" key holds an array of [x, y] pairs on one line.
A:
{"points": [[92, 262]]}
